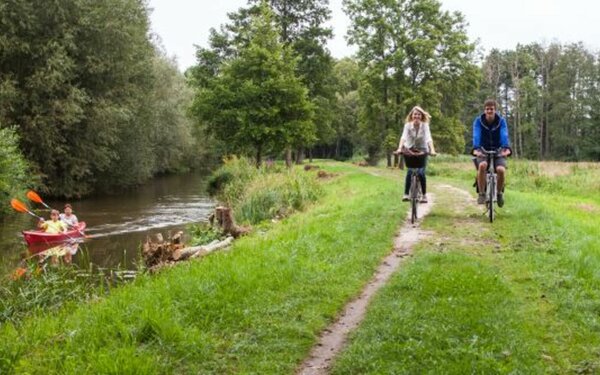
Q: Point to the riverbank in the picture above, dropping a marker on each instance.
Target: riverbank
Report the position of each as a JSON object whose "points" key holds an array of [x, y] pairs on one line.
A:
{"points": [[515, 295], [255, 308], [117, 225]]}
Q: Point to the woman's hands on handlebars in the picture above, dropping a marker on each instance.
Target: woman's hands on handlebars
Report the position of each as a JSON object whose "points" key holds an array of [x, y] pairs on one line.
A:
{"points": [[412, 152]]}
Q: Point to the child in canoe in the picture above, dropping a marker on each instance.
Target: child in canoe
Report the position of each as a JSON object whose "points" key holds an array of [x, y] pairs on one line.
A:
{"points": [[68, 217], [54, 225]]}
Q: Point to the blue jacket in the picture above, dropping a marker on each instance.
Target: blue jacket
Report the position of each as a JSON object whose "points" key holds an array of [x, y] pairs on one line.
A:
{"points": [[492, 136]]}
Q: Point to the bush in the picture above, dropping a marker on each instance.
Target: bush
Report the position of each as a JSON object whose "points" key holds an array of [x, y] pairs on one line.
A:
{"points": [[203, 234], [14, 169], [258, 194]]}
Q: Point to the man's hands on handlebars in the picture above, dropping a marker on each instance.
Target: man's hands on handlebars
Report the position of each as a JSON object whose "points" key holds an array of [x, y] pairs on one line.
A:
{"points": [[503, 152]]}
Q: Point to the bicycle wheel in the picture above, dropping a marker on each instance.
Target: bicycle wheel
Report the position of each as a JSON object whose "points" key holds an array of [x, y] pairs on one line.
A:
{"points": [[491, 195], [415, 187]]}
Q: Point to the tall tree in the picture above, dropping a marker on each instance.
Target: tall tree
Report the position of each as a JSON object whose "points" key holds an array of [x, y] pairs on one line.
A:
{"points": [[257, 100], [301, 25], [411, 52], [80, 81]]}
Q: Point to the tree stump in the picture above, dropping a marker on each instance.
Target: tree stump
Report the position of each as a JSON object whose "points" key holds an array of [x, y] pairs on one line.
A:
{"points": [[223, 217]]}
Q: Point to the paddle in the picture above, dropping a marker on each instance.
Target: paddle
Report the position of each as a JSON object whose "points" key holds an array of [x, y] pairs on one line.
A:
{"points": [[34, 197], [21, 207]]}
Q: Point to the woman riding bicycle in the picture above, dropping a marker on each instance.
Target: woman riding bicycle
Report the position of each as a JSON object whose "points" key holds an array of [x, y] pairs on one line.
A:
{"points": [[416, 139]]}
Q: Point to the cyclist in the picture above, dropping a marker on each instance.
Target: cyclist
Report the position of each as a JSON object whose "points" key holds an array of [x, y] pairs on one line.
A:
{"points": [[490, 131], [416, 136]]}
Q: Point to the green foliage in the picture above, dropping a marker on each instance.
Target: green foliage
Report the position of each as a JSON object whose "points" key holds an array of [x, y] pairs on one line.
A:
{"points": [[276, 195], [15, 172], [231, 179], [95, 100], [410, 52], [45, 287], [550, 97], [257, 101], [299, 26], [258, 194], [203, 234]]}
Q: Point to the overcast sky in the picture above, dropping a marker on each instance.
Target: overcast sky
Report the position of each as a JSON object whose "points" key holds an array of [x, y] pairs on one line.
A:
{"points": [[181, 24]]}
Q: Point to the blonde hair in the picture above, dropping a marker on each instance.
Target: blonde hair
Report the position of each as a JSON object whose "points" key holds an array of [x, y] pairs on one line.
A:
{"points": [[426, 115]]}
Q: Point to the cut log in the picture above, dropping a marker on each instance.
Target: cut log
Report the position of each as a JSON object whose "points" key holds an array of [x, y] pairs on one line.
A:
{"points": [[196, 251]]}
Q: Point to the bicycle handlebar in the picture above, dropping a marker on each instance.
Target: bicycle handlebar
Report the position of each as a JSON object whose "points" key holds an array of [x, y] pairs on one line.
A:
{"points": [[491, 152]]}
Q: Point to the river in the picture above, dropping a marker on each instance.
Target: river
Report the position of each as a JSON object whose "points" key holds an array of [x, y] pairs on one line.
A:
{"points": [[117, 225]]}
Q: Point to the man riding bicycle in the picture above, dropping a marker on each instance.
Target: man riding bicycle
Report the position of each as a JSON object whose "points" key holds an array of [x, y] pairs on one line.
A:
{"points": [[490, 131]]}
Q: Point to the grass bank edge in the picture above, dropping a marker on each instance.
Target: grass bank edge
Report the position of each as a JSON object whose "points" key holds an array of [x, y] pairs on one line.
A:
{"points": [[258, 307]]}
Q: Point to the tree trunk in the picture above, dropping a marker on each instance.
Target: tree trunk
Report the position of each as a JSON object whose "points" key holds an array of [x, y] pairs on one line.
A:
{"points": [[258, 155], [288, 157], [224, 219]]}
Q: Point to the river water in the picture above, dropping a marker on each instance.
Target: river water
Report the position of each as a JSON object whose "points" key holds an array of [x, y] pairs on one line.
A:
{"points": [[117, 225]]}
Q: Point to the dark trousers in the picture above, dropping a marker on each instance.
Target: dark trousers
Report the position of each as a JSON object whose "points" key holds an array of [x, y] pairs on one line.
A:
{"points": [[422, 178]]}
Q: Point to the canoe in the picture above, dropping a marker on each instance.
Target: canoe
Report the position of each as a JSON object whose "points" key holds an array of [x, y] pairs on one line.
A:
{"points": [[39, 236]]}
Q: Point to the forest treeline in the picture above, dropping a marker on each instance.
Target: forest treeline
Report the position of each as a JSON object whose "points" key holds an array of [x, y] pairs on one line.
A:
{"points": [[95, 103], [90, 102]]}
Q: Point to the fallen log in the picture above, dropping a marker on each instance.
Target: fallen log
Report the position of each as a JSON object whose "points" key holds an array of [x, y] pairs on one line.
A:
{"points": [[196, 251]]}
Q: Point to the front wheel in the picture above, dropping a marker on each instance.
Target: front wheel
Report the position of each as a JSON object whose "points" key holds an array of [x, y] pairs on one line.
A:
{"points": [[490, 202], [415, 187]]}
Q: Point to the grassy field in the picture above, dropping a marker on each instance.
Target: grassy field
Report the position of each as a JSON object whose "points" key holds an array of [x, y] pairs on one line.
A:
{"points": [[521, 295]]}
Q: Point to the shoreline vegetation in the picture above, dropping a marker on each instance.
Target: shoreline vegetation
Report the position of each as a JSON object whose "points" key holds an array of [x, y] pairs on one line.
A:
{"points": [[518, 295]]}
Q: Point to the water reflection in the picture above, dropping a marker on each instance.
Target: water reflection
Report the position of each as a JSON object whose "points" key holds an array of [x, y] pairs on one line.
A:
{"points": [[62, 252]]}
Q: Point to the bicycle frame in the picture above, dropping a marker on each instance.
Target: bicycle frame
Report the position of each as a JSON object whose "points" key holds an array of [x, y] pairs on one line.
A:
{"points": [[415, 192], [491, 188]]}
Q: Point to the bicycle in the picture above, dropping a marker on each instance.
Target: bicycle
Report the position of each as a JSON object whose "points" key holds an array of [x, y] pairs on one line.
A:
{"points": [[414, 160], [491, 183]]}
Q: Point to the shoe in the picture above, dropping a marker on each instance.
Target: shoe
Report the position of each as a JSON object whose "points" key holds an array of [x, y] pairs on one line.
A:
{"points": [[481, 199], [500, 199], [405, 198], [423, 199]]}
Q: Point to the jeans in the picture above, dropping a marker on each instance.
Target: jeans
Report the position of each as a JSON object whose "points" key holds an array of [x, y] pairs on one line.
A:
{"points": [[421, 174]]}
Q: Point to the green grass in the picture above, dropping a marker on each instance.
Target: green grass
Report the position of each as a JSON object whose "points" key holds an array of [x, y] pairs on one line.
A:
{"points": [[518, 296], [259, 194], [256, 308]]}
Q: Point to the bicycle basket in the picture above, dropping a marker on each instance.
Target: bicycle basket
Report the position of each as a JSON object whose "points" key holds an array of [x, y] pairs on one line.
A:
{"points": [[412, 161]]}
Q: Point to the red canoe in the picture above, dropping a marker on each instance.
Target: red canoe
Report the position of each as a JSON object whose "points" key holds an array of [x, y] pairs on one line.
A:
{"points": [[39, 236]]}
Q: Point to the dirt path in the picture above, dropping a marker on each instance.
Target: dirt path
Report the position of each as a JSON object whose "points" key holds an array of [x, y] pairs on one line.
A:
{"points": [[333, 338]]}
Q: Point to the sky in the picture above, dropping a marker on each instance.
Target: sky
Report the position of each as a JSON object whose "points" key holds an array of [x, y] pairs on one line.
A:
{"points": [[181, 24]]}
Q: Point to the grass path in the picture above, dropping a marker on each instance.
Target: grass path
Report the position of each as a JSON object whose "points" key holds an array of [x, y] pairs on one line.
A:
{"points": [[518, 296], [333, 338]]}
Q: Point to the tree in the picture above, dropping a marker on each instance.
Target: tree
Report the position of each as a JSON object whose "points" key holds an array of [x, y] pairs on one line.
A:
{"points": [[14, 169], [81, 81], [257, 101], [410, 53], [300, 25]]}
